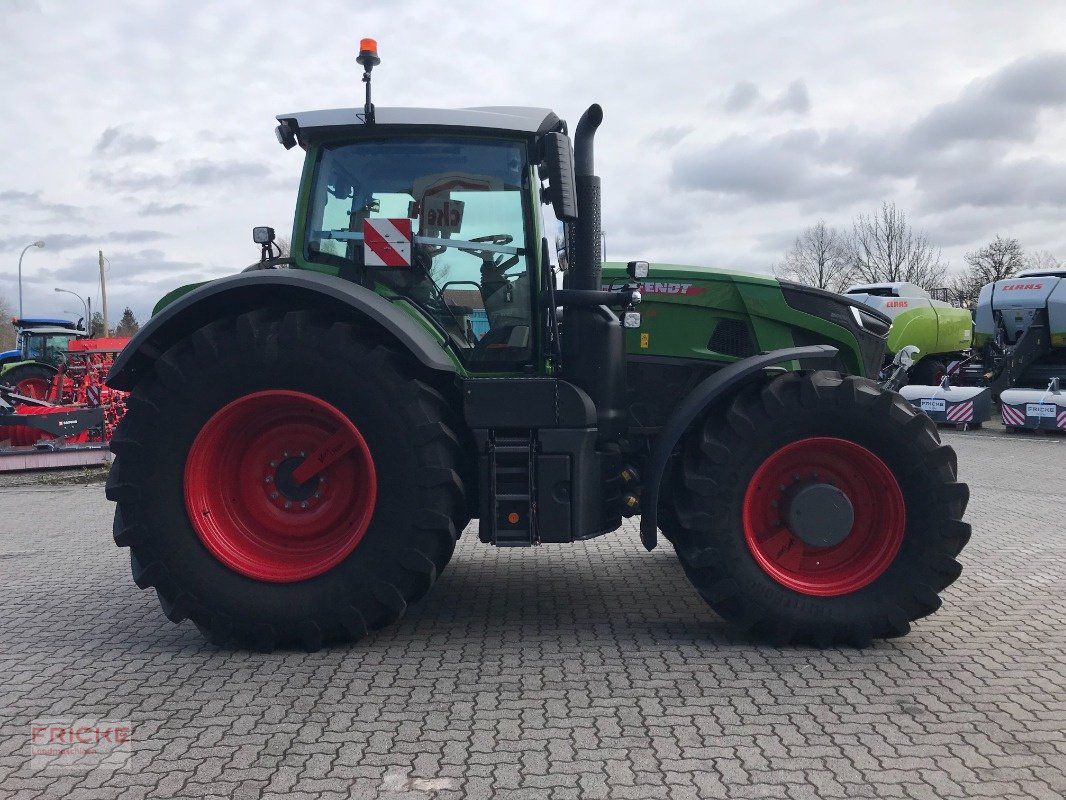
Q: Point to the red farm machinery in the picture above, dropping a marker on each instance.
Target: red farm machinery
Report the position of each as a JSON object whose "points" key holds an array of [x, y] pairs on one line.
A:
{"points": [[77, 408]]}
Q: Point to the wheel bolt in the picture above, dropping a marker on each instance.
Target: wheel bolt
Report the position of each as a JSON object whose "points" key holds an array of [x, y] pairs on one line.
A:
{"points": [[304, 504], [288, 504], [303, 454], [273, 463], [273, 495], [268, 479], [285, 454]]}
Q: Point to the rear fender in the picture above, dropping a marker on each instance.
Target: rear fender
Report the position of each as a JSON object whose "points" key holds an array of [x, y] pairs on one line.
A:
{"points": [[295, 289], [722, 383]]}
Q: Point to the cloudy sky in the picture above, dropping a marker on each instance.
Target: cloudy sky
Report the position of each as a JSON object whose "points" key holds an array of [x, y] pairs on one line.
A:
{"points": [[145, 129]]}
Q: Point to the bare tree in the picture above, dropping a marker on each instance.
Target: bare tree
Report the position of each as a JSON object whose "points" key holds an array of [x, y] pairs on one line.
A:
{"points": [[1001, 258], [1042, 259], [7, 330], [887, 250], [820, 257]]}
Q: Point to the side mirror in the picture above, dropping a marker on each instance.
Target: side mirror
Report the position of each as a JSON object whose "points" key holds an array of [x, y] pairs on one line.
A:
{"points": [[286, 135], [262, 235], [559, 157]]}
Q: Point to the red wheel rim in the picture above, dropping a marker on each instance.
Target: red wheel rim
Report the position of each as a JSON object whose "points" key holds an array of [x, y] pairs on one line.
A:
{"points": [[36, 388], [248, 510], [876, 533]]}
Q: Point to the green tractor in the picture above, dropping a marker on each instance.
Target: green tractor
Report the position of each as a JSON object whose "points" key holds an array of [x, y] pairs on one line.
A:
{"points": [[305, 442]]}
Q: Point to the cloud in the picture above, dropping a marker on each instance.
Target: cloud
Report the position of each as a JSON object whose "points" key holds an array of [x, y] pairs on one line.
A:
{"points": [[149, 267], [154, 209], [789, 167], [33, 202], [742, 96], [115, 142], [957, 154], [667, 138], [205, 172], [795, 99], [135, 237], [1025, 183], [11, 196], [54, 241], [198, 173], [1004, 106], [66, 241]]}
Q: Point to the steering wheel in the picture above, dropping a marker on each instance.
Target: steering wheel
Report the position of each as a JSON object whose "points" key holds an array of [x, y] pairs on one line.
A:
{"points": [[492, 238]]}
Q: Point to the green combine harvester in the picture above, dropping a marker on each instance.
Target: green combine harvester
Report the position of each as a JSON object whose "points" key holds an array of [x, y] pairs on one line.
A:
{"points": [[941, 332], [306, 441]]}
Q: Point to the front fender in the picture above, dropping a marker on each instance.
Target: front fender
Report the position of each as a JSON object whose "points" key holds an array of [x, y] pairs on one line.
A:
{"points": [[290, 288], [706, 392]]}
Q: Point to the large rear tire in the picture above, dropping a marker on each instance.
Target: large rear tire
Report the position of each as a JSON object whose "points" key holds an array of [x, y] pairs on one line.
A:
{"points": [[794, 446], [216, 521]]}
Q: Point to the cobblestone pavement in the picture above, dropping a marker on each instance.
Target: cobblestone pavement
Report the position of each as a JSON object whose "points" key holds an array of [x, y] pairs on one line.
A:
{"points": [[586, 670]]}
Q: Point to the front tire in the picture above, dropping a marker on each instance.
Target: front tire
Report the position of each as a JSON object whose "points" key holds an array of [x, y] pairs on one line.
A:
{"points": [[845, 579], [216, 521]]}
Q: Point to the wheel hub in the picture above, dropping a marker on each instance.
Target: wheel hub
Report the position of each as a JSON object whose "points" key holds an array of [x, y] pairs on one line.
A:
{"points": [[820, 515], [280, 481]]}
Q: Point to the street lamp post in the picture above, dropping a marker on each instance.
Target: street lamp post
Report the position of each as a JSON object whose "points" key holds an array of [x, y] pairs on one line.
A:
{"points": [[24, 249], [84, 305]]}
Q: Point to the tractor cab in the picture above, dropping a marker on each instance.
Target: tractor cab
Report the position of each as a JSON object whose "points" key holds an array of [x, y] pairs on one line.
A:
{"points": [[430, 208], [41, 340]]}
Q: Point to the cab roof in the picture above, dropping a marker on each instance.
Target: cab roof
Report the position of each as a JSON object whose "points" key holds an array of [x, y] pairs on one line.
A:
{"points": [[29, 322], [519, 119]]}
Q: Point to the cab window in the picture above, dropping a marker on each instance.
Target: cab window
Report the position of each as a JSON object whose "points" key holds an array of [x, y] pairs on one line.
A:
{"points": [[464, 200]]}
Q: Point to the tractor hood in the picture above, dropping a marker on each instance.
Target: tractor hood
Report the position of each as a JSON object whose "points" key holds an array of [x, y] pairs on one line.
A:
{"points": [[718, 314]]}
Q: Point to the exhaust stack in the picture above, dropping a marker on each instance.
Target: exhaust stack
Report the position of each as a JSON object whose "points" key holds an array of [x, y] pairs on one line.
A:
{"points": [[586, 235], [593, 350]]}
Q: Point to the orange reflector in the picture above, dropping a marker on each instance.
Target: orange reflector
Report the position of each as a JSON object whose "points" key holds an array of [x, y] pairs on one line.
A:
{"points": [[368, 46], [512, 518]]}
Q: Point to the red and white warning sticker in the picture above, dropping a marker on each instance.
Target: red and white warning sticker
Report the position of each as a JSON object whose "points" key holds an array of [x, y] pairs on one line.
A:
{"points": [[961, 412], [387, 242]]}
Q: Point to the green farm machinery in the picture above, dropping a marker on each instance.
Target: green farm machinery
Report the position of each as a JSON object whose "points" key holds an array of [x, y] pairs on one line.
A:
{"points": [[305, 442], [942, 333]]}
